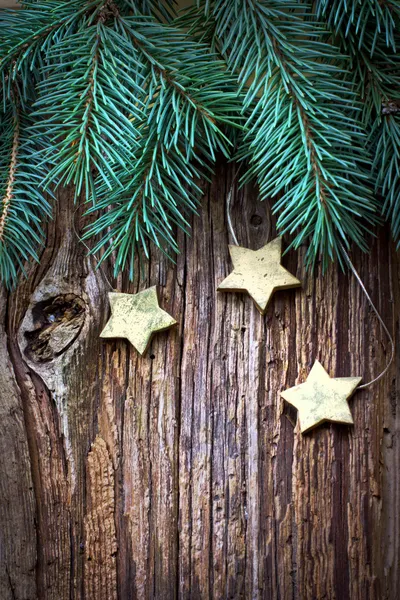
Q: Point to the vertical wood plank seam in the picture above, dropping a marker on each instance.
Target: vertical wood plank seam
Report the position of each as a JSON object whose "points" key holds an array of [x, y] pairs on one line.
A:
{"points": [[209, 379], [178, 413], [19, 366]]}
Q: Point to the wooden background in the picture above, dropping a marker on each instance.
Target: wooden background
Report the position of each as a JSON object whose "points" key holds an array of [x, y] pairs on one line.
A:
{"points": [[182, 474]]}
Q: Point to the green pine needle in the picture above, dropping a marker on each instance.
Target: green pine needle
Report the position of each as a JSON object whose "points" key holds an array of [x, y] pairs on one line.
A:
{"points": [[133, 105], [24, 206]]}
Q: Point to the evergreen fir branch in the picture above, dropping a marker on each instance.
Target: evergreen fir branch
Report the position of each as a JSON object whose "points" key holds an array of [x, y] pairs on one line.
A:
{"points": [[199, 23], [89, 112], [32, 33], [119, 86], [303, 143], [301, 156], [10, 180], [375, 67], [385, 142], [24, 206], [379, 86], [95, 114], [132, 106], [178, 141], [373, 62], [159, 193], [162, 10], [368, 19], [376, 80], [387, 165], [183, 83]]}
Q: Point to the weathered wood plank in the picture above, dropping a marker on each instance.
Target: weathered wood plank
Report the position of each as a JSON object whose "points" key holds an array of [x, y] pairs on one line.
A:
{"points": [[182, 474], [17, 499]]}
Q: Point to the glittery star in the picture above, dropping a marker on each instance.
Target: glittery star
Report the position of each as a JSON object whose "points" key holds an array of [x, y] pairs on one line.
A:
{"points": [[322, 398], [259, 273], [136, 317]]}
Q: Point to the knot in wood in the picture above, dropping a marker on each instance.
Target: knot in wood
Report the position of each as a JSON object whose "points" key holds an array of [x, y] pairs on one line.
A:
{"points": [[256, 220], [390, 108], [58, 322]]}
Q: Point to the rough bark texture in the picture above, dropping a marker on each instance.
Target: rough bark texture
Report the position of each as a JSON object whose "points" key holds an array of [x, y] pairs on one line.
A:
{"points": [[182, 474]]}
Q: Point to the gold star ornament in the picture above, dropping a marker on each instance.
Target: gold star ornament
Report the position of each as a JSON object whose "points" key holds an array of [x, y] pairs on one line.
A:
{"points": [[322, 398], [259, 273], [136, 317]]}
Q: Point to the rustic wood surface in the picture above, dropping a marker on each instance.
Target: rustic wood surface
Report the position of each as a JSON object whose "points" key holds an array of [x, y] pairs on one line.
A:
{"points": [[182, 474]]}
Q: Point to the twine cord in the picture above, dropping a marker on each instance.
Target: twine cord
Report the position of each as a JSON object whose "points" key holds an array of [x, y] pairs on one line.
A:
{"points": [[228, 208], [381, 321], [354, 271], [229, 213], [235, 240]]}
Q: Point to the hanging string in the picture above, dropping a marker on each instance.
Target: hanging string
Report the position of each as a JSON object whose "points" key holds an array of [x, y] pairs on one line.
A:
{"points": [[355, 273], [385, 329], [228, 207], [229, 213], [98, 265]]}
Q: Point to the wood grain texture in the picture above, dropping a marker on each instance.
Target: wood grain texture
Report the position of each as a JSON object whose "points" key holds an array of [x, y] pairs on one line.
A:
{"points": [[183, 474]]}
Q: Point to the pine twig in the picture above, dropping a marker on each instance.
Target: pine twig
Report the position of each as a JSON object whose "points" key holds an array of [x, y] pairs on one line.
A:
{"points": [[11, 180]]}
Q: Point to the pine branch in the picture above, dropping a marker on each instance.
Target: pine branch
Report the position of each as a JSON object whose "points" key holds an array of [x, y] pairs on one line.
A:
{"points": [[178, 141], [162, 10], [198, 20], [132, 106], [86, 108], [78, 108], [304, 142], [369, 20], [368, 32], [24, 206], [10, 180], [113, 85], [386, 166], [152, 201], [188, 76], [31, 34]]}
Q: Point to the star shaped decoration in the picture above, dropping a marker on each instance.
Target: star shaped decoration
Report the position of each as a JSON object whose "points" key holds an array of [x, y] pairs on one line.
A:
{"points": [[322, 398], [259, 273], [136, 317]]}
